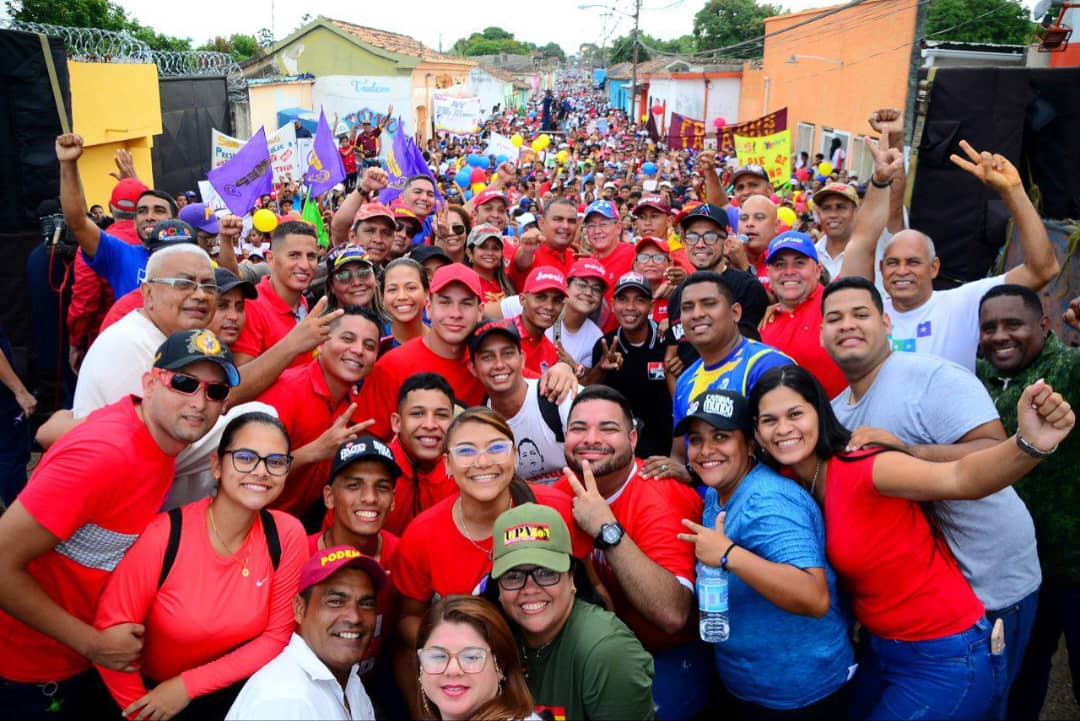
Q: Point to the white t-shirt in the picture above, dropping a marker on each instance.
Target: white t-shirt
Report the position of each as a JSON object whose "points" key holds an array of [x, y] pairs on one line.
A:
{"points": [[833, 265], [578, 344], [114, 365], [946, 325], [297, 685], [540, 455]]}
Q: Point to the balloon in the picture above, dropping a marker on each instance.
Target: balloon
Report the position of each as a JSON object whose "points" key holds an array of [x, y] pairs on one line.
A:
{"points": [[775, 199], [802, 174], [536, 145], [264, 220], [825, 168], [545, 140], [468, 195], [464, 177], [644, 118], [719, 123], [658, 109], [516, 140], [477, 176], [561, 156], [787, 216], [649, 168], [821, 178], [477, 187], [499, 160], [478, 161]]}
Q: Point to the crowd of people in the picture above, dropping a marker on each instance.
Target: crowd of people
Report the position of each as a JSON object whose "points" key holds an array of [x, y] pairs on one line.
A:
{"points": [[624, 433]]}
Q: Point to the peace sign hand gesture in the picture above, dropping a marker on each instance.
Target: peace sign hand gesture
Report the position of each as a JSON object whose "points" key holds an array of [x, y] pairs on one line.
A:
{"points": [[442, 222], [994, 169], [888, 162], [612, 359], [591, 510], [709, 544]]}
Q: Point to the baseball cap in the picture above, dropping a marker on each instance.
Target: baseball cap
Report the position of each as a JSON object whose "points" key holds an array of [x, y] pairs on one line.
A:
{"points": [[457, 273], [185, 347], [325, 564], [632, 280], [422, 253], [481, 233], [200, 216], [345, 254], [725, 410], [610, 183], [373, 210], [488, 326], [710, 212], [525, 220], [126, 193], [489, 195], [363, 448], [652, 240], [587, 268], [545, 277], [227, 280], [792, 240], [604, 207], [750, 169], [170, 232], [530, 534], [842, 189], [403, 213], [657, 202]]}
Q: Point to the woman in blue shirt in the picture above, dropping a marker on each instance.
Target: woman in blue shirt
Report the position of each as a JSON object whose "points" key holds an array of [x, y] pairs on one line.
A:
{"points": [[788, 654]]}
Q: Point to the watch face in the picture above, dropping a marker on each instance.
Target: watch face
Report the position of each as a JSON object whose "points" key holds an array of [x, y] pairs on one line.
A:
{"points": [[610, 533]]}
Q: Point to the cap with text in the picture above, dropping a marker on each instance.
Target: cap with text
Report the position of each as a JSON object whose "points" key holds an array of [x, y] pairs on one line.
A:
{"points": [[545, 277], [792, 240], [634, 280], [725, 410], [488, 327], [185, 347], [326, 563], [364, 448], [530, 535]]}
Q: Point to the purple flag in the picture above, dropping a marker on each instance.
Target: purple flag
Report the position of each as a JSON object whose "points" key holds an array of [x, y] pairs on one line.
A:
{"points": [[403, 161], [245, 176], [325, 168]]}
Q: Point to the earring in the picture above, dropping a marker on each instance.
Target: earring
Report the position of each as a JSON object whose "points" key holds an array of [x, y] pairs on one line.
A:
{"points": [[423, 696]]}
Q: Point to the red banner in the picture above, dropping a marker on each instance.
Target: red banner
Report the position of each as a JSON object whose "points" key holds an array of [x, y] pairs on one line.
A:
{"points": [[765, 125], [685, 133]]}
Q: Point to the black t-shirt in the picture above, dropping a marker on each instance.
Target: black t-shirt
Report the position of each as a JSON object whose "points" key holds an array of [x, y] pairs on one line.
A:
{"points": [[749, 294], [641, 380]]}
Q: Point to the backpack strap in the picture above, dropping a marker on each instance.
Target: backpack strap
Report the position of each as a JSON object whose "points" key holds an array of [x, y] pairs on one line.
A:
{"points": [[273, 541], [549, 411], [176, 522]]}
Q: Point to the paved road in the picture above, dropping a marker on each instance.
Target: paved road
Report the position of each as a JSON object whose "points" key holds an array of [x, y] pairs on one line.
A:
{"points": [[1060, 701]]}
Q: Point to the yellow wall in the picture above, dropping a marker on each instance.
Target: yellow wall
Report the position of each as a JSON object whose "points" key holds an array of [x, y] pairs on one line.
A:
{"points": [[113, 106], [266, 100]]}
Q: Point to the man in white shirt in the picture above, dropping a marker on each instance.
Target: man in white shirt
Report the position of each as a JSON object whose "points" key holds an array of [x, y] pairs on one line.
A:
{"points": [[316, 676]]}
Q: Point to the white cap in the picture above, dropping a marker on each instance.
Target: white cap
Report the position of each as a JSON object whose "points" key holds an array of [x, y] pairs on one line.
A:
{"points": [[609, 184], [525, 220], [649, 185]]}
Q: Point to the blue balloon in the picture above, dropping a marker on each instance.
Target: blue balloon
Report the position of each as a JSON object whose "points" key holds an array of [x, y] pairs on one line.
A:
{"points": [[502, 159], [464, 176], [821, 178], [649, 169], [476, 161], [468, 195]]}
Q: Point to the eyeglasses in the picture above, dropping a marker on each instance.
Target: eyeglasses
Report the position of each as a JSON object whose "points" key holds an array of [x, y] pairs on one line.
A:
{"points": [[186, 284], [468, 453], [407, 227], [710, 238], [598, 225], [246, 460], [344, 276], [515, 579], [594, 288], [657, 258], [457, 229], [190, 385], [436, 660]]}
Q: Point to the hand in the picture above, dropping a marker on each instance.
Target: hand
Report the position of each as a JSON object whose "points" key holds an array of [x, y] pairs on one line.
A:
{"points": [[888, 162], [69, 147], [994, 170], [557, 382], [374, 180], [735, 250], [230, 227], [591, 511], [527, 247], [507, 174], [314, 328], [864, 436], [26, 401], [75, 358], [1072, 315], [612, 359], [118, 647], [1043, 417], [326, 445], [125, 165], [665, 467], [709, 544], [165, 701], [674, 365], [565, 357], [674, 275], [887, 121], [442, 222], [706, 161]]}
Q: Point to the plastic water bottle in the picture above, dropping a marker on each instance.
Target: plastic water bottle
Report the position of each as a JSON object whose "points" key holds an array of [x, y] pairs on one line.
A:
{"points": [[712, 593]]}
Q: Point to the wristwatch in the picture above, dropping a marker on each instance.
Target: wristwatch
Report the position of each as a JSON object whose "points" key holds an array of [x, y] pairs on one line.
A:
{"points": [[611, 534]]}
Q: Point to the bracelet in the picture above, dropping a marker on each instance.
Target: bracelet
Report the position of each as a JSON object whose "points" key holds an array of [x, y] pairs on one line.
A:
{"points": [[879, 185], [724, 558], [1032, 450]]}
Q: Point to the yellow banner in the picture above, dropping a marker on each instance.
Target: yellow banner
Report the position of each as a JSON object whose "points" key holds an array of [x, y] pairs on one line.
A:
{"points": [[772, 152]]}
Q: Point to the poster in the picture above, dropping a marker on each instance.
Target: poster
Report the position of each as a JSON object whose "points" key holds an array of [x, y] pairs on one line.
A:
{"points": [[501, 145], [685, 133], [765, 125], [355, 98], [772, 152], [456, 115], [223, 147], [284, 154]]}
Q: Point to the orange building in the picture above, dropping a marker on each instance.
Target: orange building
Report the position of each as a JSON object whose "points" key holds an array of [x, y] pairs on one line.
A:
{"points": [[831, 73]]}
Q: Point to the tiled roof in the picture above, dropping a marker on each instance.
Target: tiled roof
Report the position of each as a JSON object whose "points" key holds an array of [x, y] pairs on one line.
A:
{"points": [[395, 42]]}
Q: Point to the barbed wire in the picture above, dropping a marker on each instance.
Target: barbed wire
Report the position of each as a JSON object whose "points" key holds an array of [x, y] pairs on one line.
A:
{"points": [[183, 63], [92, 45]]}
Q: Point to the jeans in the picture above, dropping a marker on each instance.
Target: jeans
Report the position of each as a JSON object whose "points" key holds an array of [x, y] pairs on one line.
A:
{"points": [[943, 678], [682, 678], [80, 697], [1019, 620], [1058, 613]]}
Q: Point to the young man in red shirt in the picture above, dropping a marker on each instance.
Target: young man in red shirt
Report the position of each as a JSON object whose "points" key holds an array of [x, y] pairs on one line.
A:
{"points": [[558, 231], [542, 301], [89, 498], [491, 207]]}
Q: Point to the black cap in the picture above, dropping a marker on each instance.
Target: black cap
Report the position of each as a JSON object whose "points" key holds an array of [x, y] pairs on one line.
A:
{"points": [[632, 280], [227, 280], [710, 212], [185, 347], [364, 448], [170, 232], [750, 169], [422, 253], [487, 326], [722, 409]]}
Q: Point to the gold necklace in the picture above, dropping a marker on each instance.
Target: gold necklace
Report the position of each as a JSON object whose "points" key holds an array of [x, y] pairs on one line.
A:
{"points": [[232, 554], [813, 481], [468, 531]]}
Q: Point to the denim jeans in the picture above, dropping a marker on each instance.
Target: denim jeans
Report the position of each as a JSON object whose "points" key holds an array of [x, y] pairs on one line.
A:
{"points": [[80, 697], [1057, 614], [1019, 619], [682, 678], [943, 678]]}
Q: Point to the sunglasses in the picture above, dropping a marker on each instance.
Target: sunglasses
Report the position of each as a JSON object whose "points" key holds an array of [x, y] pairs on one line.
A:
{"points": [[190, 385], [457, 229], [344, 276]]}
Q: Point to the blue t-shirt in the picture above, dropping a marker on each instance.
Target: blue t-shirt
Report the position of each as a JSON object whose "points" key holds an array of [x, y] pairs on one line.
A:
{"points": [[122, 265], [738, 372], [733, 218], [774, 658]]}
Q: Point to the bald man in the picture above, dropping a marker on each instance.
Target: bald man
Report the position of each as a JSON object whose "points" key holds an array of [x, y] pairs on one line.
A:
{"points": [[757, 222]]}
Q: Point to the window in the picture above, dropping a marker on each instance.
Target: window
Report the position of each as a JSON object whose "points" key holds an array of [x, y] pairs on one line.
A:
{"points": [[861, 162], [804, 139], [827, 137]]}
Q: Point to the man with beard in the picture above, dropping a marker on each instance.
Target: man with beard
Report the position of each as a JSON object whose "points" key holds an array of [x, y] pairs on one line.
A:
{"points": [[635, 525]]}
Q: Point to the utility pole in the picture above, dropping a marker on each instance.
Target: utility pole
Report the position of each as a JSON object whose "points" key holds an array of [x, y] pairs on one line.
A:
{"points": [[633, 82]]}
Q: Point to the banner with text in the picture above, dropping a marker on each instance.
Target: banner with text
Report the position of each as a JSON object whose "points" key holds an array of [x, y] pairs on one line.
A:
{"points": [[456, 115], [685, 133], [501, 145], [765, 125], [284, 155], [772, 152]]}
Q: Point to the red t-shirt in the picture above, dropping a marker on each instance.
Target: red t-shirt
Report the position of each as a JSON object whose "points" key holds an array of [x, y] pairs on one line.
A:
{"points": [[651, 513], [302, 400], [379, 392], [268, 319], [208, 623], [660, 310], [434, 558], [798, 334], [761, 270], [905, 584], [540, 353], [493, 292], [619, 261], [348, 158], [368, 142], [387, 600], [545, 255], [123, 305], [95, 489]]}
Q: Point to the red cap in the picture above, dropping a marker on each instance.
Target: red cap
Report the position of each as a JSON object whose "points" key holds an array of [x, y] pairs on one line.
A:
{"points": [[656, 202], [545, 277], [325, 564], [403, 213], [690, 205], [652, 240], [373, 210], [588, 268], [457, 273], [489, 195], [126, 194]]}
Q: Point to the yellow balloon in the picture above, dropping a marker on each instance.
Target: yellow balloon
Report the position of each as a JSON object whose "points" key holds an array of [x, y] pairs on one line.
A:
{"points": [[516, 140], [477, 188], [825, 168], [787, 216], [264, 220], [561, 156], [544, 140]]}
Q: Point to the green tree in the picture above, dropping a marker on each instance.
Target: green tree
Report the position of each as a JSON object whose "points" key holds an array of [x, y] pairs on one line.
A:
{"points": [[727, 22], [492, 41], [494, 33], [240, 47], [979, 21], [265, 37], [622, 48], [553, 50], [100, 14]]}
